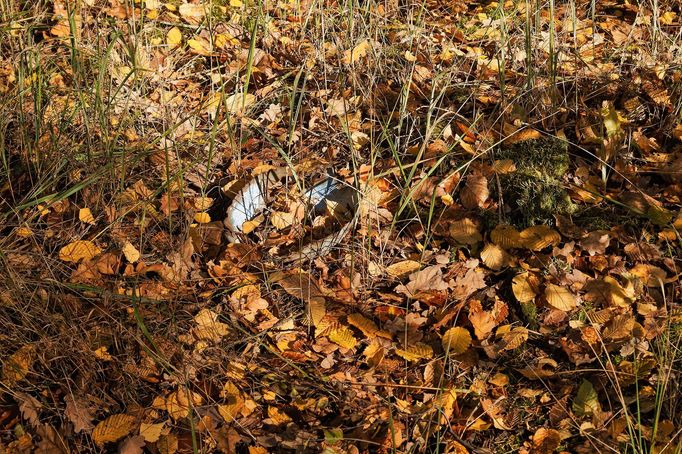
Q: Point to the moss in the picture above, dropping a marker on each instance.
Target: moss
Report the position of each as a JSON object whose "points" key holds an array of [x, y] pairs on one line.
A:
{"points": [[530, 311], [548, 155], [534, 193]]}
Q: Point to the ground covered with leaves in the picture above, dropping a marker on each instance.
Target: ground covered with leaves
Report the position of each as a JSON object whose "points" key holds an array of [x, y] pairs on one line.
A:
{"points": [[500, 274]]}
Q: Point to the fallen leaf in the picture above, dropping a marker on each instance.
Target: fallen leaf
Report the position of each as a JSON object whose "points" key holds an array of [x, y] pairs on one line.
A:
{"points": [[560, 298], [475, 192], [358, 52], [586, 401], [79, 250], [174, 37], [132, 445], [208, 327], [539, 237], [415, 352], [85, 216], [113, 428], [523, 289], [151, 432], [402, 268], [465, 231], [79, 414], [130, 252], [456, 340], [494, 257], [343, 337]]}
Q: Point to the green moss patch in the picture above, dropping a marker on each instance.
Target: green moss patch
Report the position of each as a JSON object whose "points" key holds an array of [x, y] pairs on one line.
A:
{"points": [[535, 192]]}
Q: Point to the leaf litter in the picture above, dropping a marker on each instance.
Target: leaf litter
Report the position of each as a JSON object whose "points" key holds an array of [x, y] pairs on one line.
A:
{"points": [[234, 257]]}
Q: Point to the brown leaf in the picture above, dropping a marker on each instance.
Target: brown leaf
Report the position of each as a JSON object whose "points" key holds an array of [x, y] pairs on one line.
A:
{"points": [[132, 445], [78, 413], [30, 408], [475, 191]]}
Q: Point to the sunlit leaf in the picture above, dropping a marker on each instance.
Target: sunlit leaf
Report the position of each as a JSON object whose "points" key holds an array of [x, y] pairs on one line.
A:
{"points": [[113, 428], [456, 340], [560, 297]]}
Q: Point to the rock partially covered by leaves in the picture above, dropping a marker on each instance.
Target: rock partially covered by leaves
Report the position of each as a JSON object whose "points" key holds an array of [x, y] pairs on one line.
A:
{"points": [[535, 192]]}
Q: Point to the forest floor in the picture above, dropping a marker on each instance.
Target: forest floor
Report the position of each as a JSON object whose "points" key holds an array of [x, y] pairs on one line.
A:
{"points": [[497, 269]]}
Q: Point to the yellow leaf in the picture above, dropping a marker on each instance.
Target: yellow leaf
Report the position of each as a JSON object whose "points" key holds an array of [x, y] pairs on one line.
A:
{"points": [[174, 37], [130, 252], [560, 297], [281, 219], [202, 218], [24, 232], [79, 250], [504, 166], [200, 46], [343, 336], [85, 216], [151, 432], [277, 416], [358, 52], [522, 288], [514, 337], [103, 354], [178, 403], [113, 428], [415, 352], [475, 191], [612, 119], [402, 268], [447, 199], [456, 340], [539, 237], [250, 226], [16, 367], [367, 326], [506, 236], [236, 3], [235, 402], [465, 231], [209, 328], [494, 257]]}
